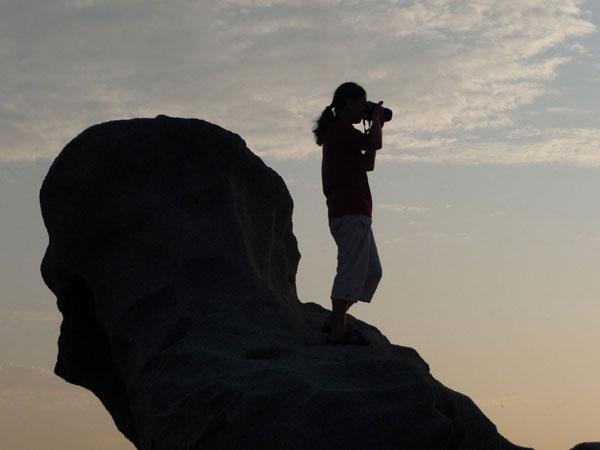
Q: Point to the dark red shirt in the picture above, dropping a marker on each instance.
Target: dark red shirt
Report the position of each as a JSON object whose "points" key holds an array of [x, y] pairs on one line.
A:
{"points": [[343, 170]]}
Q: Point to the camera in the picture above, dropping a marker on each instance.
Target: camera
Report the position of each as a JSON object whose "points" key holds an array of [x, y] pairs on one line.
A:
{"points": [[368, 112]]}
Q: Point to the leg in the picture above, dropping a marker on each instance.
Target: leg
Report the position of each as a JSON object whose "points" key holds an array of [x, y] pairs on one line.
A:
{"points": [[374, 273], [352, 236], [347, 305], [338, 318]]}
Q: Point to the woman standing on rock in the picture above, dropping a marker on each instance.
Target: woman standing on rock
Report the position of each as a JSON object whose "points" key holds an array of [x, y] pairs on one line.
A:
{"points": [[346, 188]]}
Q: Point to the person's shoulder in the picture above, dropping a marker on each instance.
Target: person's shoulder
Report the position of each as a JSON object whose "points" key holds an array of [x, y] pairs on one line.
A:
{"points": [[341, 126], [342, 123], [336, 127], [337, 122]]}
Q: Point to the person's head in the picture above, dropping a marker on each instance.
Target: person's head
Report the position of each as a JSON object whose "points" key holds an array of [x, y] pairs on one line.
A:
{"points": [[349, 101]]}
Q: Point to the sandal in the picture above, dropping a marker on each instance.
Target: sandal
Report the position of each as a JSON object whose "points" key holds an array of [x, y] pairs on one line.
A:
{"points": [[350, 338], [327, 328]]}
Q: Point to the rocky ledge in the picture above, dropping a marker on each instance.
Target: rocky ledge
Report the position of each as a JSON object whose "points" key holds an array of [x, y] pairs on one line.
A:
{"points": [[173, 261]]}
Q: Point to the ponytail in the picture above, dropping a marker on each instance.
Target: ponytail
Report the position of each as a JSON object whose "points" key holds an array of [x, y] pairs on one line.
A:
{"points": [[323, 123], [345, 91]]}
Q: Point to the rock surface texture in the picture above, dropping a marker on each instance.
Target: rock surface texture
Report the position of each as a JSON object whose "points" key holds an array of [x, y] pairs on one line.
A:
{"points": [[172, 257]]}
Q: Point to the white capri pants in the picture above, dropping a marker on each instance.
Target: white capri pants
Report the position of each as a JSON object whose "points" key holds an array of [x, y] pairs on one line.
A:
{"points": [[358, 265]]}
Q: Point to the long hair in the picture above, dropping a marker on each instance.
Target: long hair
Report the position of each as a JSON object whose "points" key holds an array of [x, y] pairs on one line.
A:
{"points": [[345, 91]]}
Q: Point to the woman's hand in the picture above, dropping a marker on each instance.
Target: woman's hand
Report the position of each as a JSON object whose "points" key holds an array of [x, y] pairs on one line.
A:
{"points": [[378, 113]]}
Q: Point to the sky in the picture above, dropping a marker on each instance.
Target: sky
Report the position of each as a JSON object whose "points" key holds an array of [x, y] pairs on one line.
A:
{"points": [[484, 212]]}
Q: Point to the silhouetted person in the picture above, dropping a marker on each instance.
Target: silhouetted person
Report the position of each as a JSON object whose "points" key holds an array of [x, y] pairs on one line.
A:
{"points": [[346, 188]]}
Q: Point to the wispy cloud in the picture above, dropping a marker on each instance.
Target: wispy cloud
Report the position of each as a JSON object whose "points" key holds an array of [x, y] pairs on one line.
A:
{"points": [[559, 109], [574, 146], [428, 235], [8, 175], [28, 316], [452, 70], [501, 402], [26, 386], [396, 207], [57, 414]]}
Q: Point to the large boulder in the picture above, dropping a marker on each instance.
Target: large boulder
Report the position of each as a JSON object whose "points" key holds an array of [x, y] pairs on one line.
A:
{"points": [[173, 261]]}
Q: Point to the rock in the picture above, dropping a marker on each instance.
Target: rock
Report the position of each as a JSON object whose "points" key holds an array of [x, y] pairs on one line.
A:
{"points": [[587, 446], [173, 260]]}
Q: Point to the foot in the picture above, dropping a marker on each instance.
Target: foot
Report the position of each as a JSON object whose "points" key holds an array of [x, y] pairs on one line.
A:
{"points": [[326, 328], [349, 338], [338, 333]]}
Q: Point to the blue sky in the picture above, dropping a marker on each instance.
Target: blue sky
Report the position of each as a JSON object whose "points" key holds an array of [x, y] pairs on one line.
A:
{"points": [[484, 190]]}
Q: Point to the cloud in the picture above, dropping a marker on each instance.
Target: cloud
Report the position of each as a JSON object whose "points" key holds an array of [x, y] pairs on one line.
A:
{"points": [[26, 386], [39, 410], [559, 109], [574, 146], [395, 207], [28, 316], [502, 402], [451, 70], [395, 240], [8, 175]]}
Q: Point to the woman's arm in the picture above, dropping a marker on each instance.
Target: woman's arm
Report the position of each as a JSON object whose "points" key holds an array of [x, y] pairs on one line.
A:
{"points": [[369, 156], [369, 159]]}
